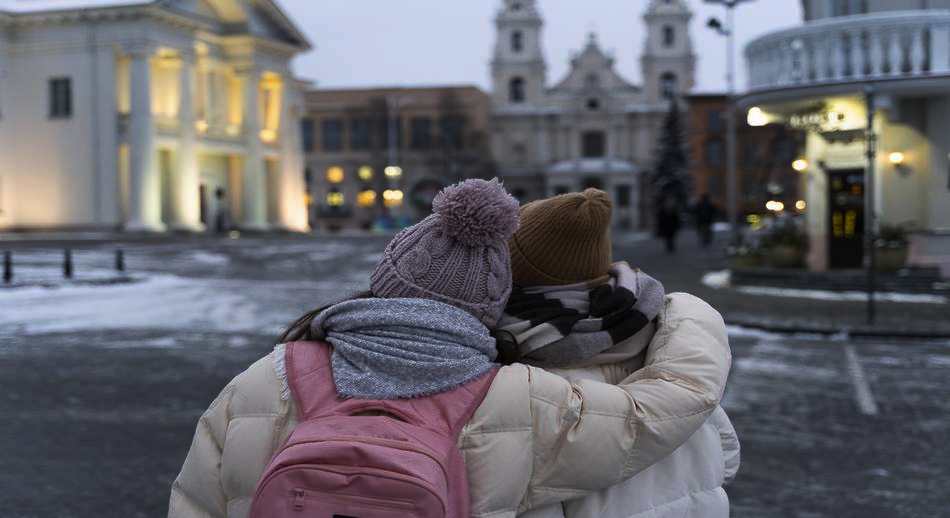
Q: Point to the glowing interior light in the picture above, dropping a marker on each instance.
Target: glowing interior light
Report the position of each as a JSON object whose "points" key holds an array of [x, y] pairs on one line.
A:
{"points": [[896, 158], [800, 205], [800, 165], [756, 117], [335, 174]]}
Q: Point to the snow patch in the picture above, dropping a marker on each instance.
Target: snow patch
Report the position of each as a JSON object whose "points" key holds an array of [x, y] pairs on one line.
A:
{"points": [[717, 279], [914, 298], [798, 371], [208, 258]]}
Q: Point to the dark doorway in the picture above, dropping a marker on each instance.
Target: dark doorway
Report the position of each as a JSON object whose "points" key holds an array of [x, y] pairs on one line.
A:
{"points": [[592, 182], [845, 218], [203, 204]]}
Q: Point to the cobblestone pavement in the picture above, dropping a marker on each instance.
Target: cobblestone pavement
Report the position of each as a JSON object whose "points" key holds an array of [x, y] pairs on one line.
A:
{"points": [[101, 387]]}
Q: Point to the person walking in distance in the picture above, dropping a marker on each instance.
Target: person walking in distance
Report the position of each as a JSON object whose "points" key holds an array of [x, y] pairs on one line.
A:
{"points": [[668, 223], [704, 213]]}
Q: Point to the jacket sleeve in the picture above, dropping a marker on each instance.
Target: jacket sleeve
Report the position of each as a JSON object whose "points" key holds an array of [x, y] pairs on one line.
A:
{"points": [[730, 444], [197, 491], [588, 436]]}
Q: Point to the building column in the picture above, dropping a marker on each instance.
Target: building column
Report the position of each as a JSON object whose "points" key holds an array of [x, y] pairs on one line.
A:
{"points": [[145, 191], [254, 199], [293, 205], [186, 204]]}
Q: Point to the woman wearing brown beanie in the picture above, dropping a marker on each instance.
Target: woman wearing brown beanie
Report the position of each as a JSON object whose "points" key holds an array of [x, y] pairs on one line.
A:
{"points": [[582, 317], [535, 439]]}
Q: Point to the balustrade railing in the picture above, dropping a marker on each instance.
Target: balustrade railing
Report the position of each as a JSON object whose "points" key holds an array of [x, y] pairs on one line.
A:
{"points": [[852, 48]]}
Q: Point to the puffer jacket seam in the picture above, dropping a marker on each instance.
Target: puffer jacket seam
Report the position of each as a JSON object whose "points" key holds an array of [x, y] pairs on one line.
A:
{"points": [[469, 433], [691, 495], [254, 415], [704, 409]]}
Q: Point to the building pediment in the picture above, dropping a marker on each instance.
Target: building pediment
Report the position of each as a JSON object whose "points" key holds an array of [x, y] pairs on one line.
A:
{"points": [[592, 70], [258, 18]]}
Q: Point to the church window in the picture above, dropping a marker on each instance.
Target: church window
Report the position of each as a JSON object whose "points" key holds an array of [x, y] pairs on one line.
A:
{"points": [[516, 90], [668, 86], [593, 144], [60, 98], [592, 80], [592, 182], [517, 41], [593, 105], [669, 36]]}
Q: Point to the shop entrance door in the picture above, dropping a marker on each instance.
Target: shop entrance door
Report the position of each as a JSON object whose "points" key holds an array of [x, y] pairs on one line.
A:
{"points": [[845, 218]]}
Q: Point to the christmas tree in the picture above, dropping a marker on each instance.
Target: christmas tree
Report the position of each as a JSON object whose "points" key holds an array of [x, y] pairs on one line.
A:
{"points": [[670, 178]]}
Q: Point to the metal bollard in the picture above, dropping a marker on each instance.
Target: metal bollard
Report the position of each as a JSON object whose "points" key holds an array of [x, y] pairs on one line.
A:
{"points": [[7, 267], [67, 263], [119, 260]]}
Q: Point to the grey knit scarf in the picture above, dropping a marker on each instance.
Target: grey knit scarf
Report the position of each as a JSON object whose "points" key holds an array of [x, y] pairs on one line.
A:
{"points": [[403, 348], [562, 326]]}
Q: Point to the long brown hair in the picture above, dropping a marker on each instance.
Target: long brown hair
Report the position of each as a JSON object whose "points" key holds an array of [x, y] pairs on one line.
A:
{"points": [[300, 330]]}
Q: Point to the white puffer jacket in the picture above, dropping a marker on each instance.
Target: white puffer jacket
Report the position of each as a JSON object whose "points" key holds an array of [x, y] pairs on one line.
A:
{"points": [[537, 439]]}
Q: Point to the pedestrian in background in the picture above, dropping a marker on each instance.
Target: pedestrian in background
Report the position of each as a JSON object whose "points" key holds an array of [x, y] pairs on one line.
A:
{"points": [[704, 214], [668, 222]]}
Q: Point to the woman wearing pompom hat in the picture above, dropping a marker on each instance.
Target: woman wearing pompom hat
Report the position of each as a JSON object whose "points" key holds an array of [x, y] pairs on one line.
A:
{"points": [[421, 335]]}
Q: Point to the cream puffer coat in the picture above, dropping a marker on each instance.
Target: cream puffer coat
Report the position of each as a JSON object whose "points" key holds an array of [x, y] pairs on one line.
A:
{"points": [[536, 439], [689, 483]]}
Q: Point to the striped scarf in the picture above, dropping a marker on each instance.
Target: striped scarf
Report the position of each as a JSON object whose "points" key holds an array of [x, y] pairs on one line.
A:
{"points": [[561, 326]]}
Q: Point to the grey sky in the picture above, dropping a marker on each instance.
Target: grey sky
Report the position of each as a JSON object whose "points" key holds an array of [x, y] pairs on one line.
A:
{"points": [[425, 42]]}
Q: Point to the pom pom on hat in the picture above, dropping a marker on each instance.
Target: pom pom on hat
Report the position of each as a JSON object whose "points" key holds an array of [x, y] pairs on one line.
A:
{"points": [[477, 213]]}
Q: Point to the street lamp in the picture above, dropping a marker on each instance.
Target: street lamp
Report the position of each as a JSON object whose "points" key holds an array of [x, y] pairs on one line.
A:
{"points": [[732, 180]]}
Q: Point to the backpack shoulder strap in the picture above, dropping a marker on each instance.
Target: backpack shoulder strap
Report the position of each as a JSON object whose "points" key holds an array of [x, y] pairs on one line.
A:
{"points": [[310, 378], [459, 405]]}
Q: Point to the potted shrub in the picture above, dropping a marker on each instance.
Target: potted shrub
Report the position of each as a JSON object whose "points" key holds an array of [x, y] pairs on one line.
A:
{"points": [[786, 244], [891, 248], [745, 256]]}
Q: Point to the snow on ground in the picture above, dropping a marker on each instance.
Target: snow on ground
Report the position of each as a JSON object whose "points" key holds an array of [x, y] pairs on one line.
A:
{"points": [[723, 279], [917, 298], [164, 302]]}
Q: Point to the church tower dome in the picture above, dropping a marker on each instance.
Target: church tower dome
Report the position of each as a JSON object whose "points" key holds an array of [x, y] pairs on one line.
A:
{"points": [[668, 62], [519, 72]]}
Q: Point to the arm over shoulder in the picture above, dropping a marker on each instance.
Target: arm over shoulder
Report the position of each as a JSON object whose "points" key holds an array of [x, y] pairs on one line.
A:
{"points": [[586, 436]]}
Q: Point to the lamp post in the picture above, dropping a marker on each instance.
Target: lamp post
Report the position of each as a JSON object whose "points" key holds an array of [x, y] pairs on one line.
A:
{"points": [[732, 180], [870, 215]]}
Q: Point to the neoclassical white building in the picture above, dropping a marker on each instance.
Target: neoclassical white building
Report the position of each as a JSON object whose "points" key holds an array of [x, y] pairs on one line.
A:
{"points": [[149, 115], [593, 128]]}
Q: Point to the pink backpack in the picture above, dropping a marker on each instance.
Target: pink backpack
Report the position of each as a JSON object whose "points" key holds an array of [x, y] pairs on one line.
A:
{"points": [[358, 458]]}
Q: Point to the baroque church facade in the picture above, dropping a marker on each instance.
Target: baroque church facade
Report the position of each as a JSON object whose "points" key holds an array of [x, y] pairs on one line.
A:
{"points": [[593, 128]]}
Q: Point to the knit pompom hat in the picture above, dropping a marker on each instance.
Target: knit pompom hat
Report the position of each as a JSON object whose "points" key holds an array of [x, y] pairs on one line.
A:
{"points": [[458, 255], [563, 240]]}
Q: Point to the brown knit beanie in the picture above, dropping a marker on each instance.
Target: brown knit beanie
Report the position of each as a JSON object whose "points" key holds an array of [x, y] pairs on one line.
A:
{"points": [[562, 240]]}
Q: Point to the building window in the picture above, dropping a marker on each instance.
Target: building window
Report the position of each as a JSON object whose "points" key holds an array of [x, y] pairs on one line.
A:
{"points": [[517, 41], [452, 131], [420, 136], [592, 182], [669, 36], [848, 7], [623, 195], [332, 131], [592, 80], [516, 90], [561, 189], [714, 153], [714, 122], [593, 105], [668, 85], [335, 174], [60, 98], [360, 133], [306, 134], [593, 144], [519, 194]]}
